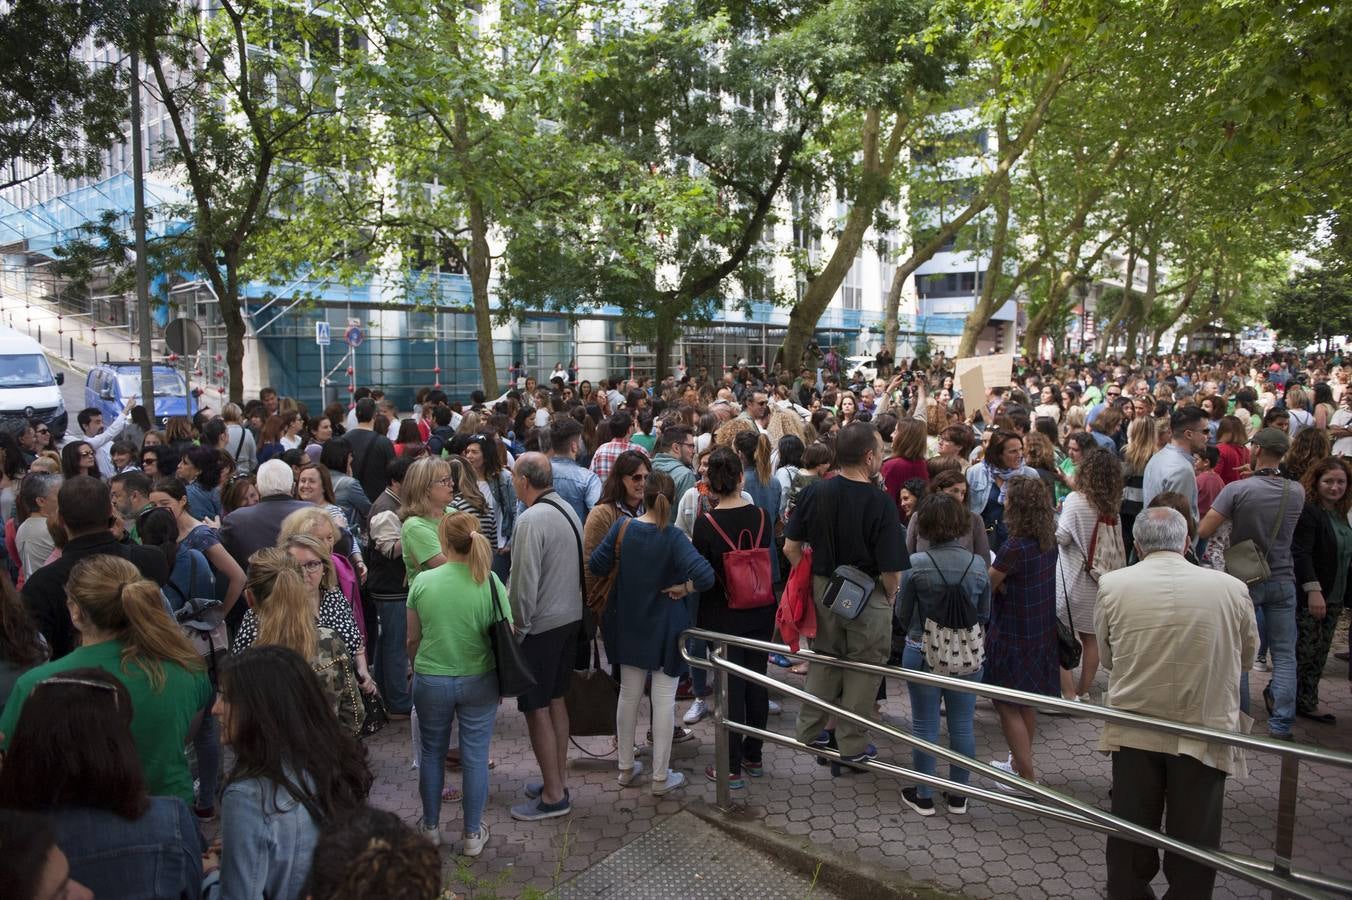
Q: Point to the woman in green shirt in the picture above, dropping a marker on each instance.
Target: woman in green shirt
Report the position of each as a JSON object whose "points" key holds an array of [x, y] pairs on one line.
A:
{"points": [[126, 632], [450, 608], [1321, 549], [425, 493]]}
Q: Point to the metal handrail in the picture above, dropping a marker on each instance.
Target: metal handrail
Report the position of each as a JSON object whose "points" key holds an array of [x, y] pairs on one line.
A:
{"points": [[1277, 876]]}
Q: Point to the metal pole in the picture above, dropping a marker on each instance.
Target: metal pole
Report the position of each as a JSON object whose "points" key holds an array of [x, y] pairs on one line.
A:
{"points": [[323, 379], [721, 768], [187, 386], [139, 225], [1286, 818]]}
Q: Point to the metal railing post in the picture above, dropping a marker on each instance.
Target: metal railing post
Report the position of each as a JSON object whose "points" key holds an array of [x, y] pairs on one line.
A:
{"points": [[1286, 819], [721, 768]]}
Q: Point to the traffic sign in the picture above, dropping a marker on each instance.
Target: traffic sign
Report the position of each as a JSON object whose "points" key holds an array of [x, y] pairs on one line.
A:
{"points": [[322, 333], [353, 336], [183, 336]]}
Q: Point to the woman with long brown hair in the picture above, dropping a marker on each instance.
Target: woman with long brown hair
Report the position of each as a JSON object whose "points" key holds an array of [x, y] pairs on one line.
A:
{"points": [[1089, 533], [1321, 549], [909, 449], [1142, 444], [1021, 646], [125, 631]]}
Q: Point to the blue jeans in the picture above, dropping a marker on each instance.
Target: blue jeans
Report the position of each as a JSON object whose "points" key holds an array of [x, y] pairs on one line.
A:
{"points": [[439, 700], [1262, 631], [1276, 600], [391, 669], [925, 719]]}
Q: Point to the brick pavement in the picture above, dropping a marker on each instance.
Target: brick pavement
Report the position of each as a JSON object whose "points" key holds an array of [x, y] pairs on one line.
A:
{"points": [[991, 852]]}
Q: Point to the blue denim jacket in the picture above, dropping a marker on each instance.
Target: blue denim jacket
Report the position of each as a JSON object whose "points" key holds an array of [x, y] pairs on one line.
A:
{"points": [[980, 484], [267, 840], [158, 855], [579, 487]]}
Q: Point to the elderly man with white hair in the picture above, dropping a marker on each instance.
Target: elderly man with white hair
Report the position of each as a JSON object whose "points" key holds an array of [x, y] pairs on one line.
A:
{"points": [[1175, 638], [251, 528]]}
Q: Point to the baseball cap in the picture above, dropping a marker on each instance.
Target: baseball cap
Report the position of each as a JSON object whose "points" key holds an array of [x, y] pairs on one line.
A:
{"points": [[1273, 440]]}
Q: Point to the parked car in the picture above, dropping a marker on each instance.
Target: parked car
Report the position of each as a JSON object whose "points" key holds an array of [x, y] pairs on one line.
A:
{"points": [[866, 365], [110, 385], [28, 389]]}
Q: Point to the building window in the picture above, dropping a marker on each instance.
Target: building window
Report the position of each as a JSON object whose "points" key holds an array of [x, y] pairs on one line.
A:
{"points": [[852, 292]]}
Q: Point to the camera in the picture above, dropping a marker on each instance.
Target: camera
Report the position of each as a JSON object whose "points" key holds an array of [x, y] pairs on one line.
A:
{"points": [[907, 376]]}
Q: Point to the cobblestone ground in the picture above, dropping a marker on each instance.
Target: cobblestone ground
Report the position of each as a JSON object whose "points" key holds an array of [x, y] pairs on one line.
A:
{"points": [[991, 852]]}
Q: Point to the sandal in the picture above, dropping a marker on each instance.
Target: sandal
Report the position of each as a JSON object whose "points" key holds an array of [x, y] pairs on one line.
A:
{"points": [[450, 794], [798, 669]]}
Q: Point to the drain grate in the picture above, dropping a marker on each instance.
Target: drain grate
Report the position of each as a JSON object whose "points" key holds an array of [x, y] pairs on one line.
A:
{"points": [[686, 858]]}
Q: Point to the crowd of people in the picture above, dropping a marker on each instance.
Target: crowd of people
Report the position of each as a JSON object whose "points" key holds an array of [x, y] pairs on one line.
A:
{"points": [[282, 584]]}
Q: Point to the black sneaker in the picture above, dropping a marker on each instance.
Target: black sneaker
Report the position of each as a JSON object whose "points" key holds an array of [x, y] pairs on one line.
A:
{"points": [[826, 740], [956, 805], [844, 768], [924, 806]]}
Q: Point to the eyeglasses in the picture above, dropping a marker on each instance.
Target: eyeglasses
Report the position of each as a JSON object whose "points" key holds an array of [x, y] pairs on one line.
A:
{"points": [[444, 482], [313, 565]]}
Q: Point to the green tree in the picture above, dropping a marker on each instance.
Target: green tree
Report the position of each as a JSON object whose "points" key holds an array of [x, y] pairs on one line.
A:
{"points": [[57, 114], [1314, 306]]}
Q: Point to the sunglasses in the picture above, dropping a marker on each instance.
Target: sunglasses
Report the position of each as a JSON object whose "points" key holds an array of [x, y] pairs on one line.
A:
{"points": [[43, 431]]}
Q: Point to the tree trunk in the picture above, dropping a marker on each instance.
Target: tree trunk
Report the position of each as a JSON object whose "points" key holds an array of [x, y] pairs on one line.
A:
{"points": [[232, 312], [1141, 314], [1041, 322], [875, 173], [986, 304], [480, 264], [1106, 332]]}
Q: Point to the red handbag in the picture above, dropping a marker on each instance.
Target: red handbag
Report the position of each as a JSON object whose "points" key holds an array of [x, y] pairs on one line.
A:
{"points": [[746, 573]]}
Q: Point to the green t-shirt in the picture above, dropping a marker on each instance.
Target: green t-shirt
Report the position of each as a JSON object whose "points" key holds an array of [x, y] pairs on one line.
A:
{"points": [[418, 537], [160, 719], [646, 441], [455, 613]]}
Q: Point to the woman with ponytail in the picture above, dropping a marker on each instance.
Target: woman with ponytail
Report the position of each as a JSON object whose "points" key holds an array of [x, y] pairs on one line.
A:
{"points": [[754, 450], [450, 608], [124, 631], [287, 615], [643, 620]]}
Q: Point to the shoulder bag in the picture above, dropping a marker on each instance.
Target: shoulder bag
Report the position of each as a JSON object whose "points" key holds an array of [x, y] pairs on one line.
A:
{"points": [[593, 694], [849, 587], [746, 573], [514, 674], [1068, 649], [601, 587], [1246, 560]]}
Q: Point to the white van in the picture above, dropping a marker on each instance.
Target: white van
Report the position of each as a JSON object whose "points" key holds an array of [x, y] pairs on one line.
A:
{"points": [[28, 389]]}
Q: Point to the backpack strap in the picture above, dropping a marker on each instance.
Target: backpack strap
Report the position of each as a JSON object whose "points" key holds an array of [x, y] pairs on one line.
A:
{"points": [[724, 535]]}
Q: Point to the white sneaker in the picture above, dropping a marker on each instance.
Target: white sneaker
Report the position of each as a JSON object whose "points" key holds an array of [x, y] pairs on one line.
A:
{"points": [[1007, 765], [1261, 665], [673, 780], [1084, 698], [475, 843], [775, 708], [433, 834], [628, 776], [698, 710]]}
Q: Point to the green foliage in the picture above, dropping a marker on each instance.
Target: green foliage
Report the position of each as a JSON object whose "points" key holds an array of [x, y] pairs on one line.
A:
{"points": [[1314, 305], [56, 113]]}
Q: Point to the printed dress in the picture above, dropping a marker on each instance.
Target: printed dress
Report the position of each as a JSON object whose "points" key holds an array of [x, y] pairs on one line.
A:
{"points": [[1021, 638]]}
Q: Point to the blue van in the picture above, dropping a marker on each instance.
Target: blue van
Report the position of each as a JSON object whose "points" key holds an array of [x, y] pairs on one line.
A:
{"points": [[109, 385]]}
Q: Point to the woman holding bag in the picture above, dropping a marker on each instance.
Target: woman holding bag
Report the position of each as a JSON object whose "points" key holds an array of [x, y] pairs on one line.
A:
{"points": [[643, 620], [450, 609], [718, 531]]}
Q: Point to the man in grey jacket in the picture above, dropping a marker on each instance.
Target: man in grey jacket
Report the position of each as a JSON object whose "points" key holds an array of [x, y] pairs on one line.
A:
{"points": [[545, 588], [674, 452]]}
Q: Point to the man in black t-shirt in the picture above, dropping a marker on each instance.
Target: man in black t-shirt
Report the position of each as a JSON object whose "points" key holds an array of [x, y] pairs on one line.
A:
{"points": [[371, 453], [848, 521]]}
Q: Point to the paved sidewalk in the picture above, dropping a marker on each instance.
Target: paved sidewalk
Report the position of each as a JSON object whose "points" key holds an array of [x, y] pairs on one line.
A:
{"points": [[991, 852]]}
